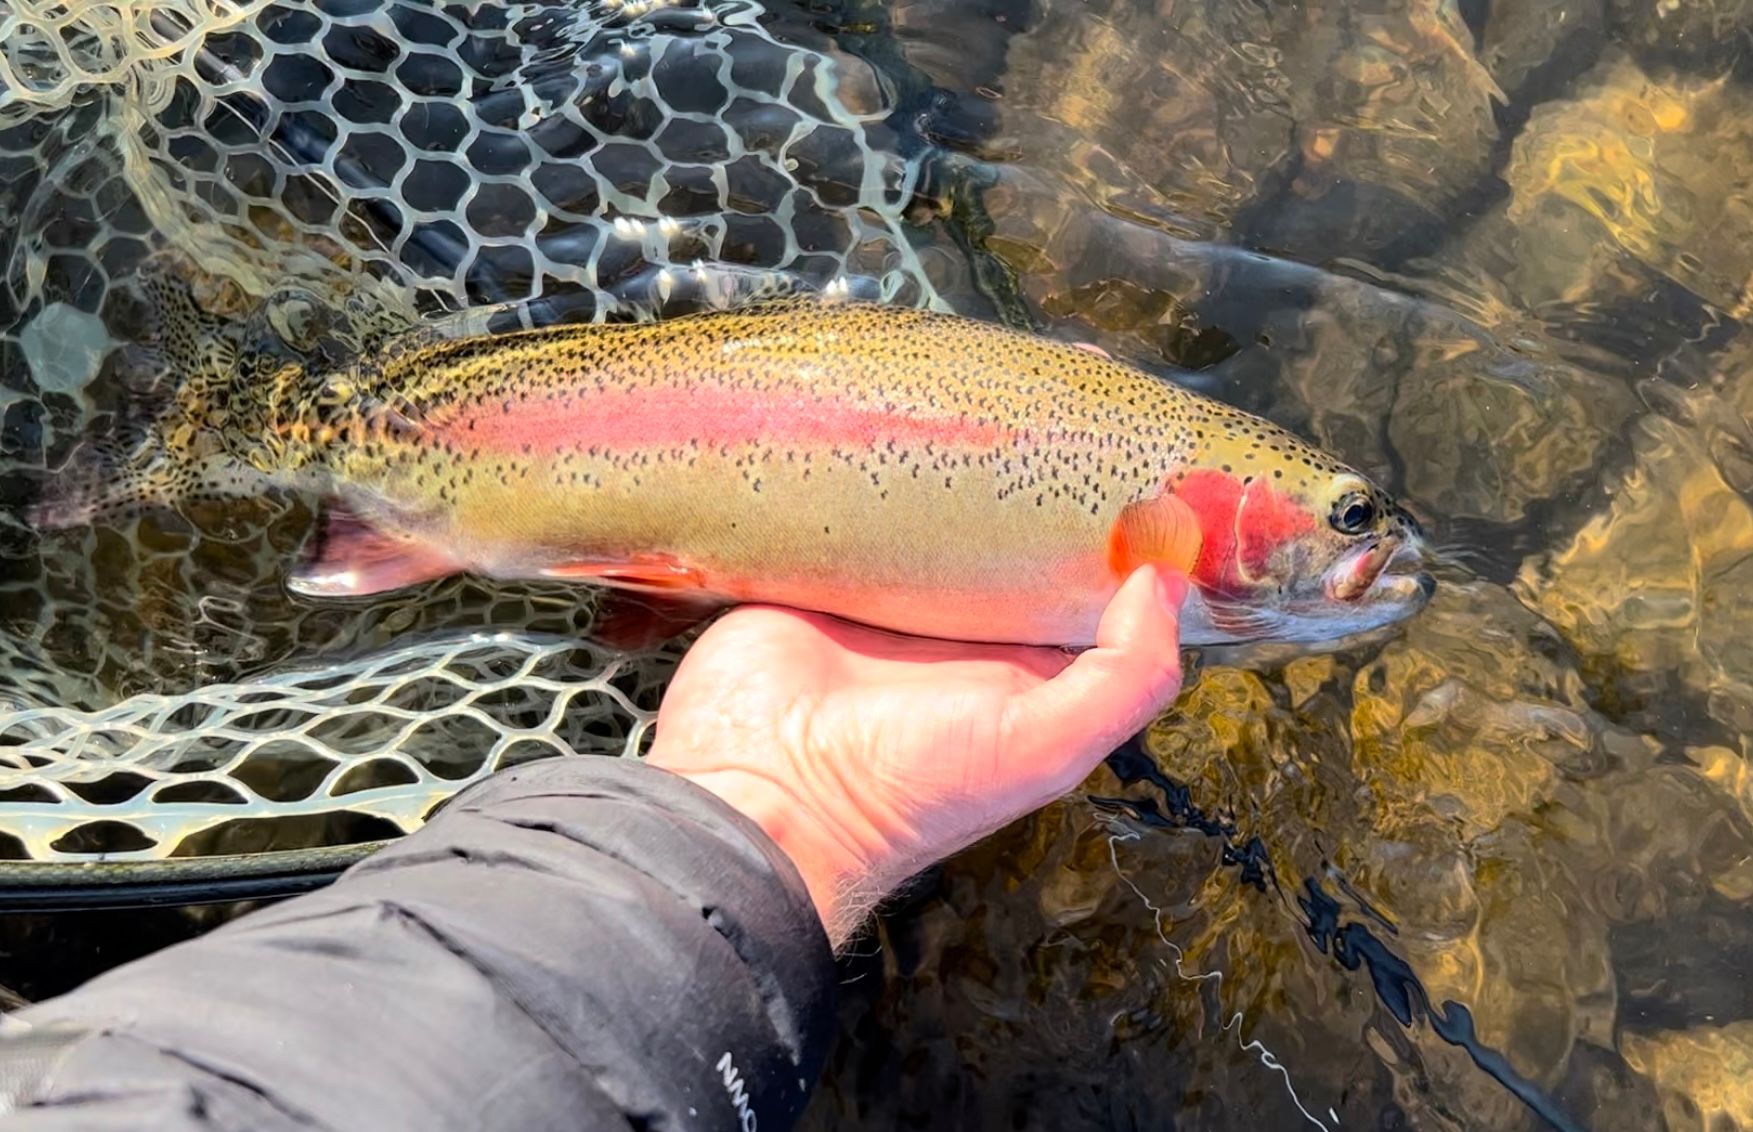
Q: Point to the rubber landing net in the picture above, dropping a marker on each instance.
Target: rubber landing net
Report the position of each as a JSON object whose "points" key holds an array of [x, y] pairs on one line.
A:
{"points": [[359, 750], [326, 172]]}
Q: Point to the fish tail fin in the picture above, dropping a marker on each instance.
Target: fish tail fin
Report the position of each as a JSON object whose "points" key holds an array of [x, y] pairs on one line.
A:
{"points": [[107, 475], [151, 452], [183, 428]]}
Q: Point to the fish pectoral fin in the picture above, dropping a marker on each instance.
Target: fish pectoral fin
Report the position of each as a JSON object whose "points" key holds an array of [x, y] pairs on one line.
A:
{"points": [[656, 573], [350, 557], [1163, 529]]}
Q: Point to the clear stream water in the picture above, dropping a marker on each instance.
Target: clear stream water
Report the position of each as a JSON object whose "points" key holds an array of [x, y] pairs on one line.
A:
{"points": [[1490, 870]]}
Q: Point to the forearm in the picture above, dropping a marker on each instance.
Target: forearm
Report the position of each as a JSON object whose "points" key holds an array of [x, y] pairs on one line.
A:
{"points": [[573, 943]]}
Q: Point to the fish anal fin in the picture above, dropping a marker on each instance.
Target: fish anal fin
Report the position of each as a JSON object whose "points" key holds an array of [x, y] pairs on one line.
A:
{"points": [[350, 557], [1163, 529]]}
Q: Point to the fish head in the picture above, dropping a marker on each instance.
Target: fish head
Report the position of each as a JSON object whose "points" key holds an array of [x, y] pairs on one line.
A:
{"points": [[1300, 550]]}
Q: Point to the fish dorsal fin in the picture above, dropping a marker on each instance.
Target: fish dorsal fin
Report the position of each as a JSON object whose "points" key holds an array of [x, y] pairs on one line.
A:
{"points": [[661, 292]]}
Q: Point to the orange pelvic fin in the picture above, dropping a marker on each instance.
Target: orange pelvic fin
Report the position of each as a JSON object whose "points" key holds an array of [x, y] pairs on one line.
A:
{"points": [[652, 598], [645, 572], [351, 558], [1164, 529]]}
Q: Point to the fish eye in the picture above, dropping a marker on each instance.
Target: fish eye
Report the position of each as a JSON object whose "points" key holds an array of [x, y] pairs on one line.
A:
{"points": [[1353, 513]]}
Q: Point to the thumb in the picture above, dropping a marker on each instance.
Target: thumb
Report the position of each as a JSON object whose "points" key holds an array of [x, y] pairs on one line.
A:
{"points": [[1062, 728]]}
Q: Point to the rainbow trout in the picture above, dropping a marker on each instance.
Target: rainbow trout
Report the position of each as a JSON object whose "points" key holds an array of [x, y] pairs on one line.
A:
{"points": [[914, 471]]}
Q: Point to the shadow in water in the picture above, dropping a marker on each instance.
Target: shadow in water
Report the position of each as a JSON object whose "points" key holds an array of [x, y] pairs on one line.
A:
{"points": [[1350, 942]]}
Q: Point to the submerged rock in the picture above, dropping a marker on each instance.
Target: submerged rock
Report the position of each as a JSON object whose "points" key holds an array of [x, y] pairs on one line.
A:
{"points": [[1207, 106], [1705, 1075], [1632, 181], [1529, 47], [1657, 591], [1697, 35]]}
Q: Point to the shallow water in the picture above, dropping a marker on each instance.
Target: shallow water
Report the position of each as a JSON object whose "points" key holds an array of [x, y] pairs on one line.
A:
{"points": [[1490, 870]]}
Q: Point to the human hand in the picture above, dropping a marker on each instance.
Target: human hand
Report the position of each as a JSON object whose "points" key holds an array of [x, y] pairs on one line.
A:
{"points": [[867, 756]]}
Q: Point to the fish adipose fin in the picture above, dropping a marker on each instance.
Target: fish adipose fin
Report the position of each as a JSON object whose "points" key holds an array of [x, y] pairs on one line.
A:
{"points": [[351, 558], [1164, 529]]}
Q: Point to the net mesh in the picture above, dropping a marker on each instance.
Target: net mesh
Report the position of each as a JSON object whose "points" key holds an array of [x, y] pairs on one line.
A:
{"points": [[386, 737], [323, 174], [488, 154], [51, 53]]}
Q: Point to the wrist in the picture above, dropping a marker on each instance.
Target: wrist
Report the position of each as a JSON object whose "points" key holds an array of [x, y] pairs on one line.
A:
{"points": [[841, 885]]}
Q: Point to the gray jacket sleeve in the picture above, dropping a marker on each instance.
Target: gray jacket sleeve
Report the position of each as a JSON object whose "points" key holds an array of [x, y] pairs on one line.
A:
{"points": [[573, 944]]}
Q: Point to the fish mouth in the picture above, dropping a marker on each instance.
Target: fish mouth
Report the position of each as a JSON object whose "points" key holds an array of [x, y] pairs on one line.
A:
{"points": [[1371, 586], [1390, 569]]}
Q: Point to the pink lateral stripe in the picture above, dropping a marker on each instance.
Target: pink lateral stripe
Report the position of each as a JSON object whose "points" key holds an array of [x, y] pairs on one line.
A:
{"points": [[633, 419]]}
